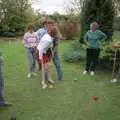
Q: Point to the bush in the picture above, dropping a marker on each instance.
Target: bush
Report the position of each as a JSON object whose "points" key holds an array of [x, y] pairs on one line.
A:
{"points": [[117, 24], [68, 29], [8, 34], [107, 56], [74, 52]]}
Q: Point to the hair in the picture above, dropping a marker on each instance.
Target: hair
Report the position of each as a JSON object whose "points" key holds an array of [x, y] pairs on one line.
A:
{"points": [[94, 24], [53, 32], [49, 21], [43, 22], [30, 26], [59, 35]]}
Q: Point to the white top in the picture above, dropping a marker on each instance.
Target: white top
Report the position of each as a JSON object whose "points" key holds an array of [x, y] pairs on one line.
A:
{"points": [[44, 44]]}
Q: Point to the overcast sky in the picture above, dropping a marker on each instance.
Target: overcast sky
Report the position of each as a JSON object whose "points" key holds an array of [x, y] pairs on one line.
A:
{"points": [[50, 6]]}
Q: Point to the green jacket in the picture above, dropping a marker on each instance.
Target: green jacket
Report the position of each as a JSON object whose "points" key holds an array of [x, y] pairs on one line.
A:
{"points": [[94, 39]]}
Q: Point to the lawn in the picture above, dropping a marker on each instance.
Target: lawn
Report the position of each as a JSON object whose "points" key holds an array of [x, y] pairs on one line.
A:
{"points": [[71, 99]]}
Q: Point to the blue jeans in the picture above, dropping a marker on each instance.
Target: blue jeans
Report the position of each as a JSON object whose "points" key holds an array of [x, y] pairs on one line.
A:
{"points": [[1, 82], [56, 61], [31, 59]]}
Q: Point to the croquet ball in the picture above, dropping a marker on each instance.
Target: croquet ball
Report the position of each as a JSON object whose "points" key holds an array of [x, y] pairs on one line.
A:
{"points": [[95, 98], [13, 118]]}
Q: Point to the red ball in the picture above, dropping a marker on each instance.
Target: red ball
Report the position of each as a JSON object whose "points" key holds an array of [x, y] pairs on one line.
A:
{"points": [[95, 98]]}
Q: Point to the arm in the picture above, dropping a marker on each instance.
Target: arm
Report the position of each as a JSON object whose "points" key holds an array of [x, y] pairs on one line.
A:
{"points": [[40, 33], [25, 40], [55, 45], [86, 39], [103, 36]]}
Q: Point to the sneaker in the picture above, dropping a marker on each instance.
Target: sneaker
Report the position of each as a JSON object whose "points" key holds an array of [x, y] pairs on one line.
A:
{"points": [[44, 86], [114, 80], [50, 86], [51, 81], [34, 74], [29, 75], [92, 73], [85, 72], [6, 104], [43, 82]]}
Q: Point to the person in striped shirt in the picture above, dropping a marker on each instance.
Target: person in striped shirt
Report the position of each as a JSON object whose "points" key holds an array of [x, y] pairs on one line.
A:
{"points": [[30, 42]]}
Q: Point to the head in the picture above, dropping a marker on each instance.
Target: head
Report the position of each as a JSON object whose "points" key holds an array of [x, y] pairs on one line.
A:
{"points": [[50, 24], [53, 32], [94, 26], [44, 23], [30, 27]]}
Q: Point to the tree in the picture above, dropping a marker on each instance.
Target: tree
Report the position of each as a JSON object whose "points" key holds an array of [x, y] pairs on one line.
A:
{"points": [[102, 11], [13, 17]]}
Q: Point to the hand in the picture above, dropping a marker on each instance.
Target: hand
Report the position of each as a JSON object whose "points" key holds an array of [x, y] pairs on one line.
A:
{"points": [[2, 58], [40, 57], [88, 44]]}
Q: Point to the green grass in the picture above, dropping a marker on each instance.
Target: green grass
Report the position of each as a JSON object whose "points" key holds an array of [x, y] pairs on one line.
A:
{"points": [[69, 100]]}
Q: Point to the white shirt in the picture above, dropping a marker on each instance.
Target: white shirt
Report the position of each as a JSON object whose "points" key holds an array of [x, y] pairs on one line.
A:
{"points": [[44, 44]]}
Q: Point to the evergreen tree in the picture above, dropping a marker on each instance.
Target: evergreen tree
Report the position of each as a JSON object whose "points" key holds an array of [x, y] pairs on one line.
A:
{"points": [[101, 11]]}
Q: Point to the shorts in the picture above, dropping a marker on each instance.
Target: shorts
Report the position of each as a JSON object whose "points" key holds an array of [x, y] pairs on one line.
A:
{"points": [[46, 58]]}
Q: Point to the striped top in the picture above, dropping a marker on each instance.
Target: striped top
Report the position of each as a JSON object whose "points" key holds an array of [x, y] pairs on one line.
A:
{"points": [[30, 40]]}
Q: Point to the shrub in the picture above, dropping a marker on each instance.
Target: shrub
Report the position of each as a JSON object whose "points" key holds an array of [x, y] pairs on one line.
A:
{"points": [[74, 52], [108, 55], [8, 34], [68, 29]]}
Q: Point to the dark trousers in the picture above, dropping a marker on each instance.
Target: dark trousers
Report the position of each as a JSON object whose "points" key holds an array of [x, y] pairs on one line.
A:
{"points": [[92, 56], [1, 83]]}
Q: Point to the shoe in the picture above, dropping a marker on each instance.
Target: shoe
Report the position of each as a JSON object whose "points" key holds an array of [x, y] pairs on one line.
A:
{"points": [[34, 74], [29, 75], [50, 86], [44, 86], [6, 104], [85, 72], [13, 118], [92, 73], [114, 80], [43, 82], [60, 79], [51, 81]]}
